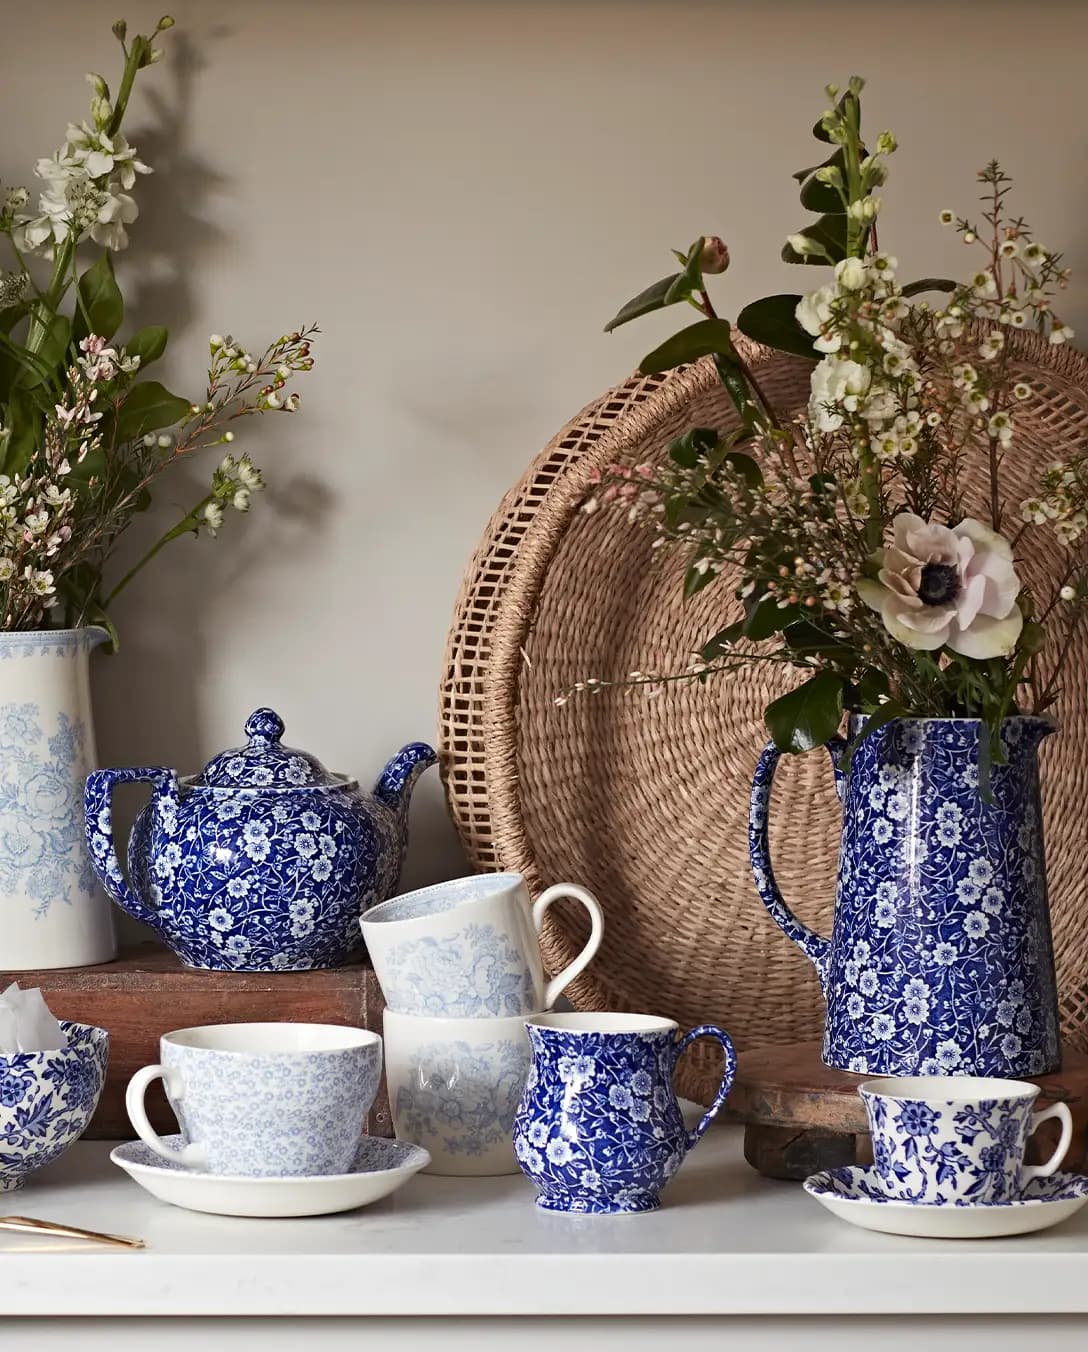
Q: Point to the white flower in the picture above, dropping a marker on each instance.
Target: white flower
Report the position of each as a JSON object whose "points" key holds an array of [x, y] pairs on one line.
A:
{"points": [[983, 283], [1061, 333], [851, 274], [240, 501], [813, 313], [942, 587], [836, 383], [213, 516], [115, 212]]}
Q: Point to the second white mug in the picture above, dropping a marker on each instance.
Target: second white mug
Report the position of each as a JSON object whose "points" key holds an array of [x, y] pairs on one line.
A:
{"points": [[469, 949]]}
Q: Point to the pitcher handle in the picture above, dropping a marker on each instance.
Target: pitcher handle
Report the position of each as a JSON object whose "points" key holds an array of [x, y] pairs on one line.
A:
{"points": [[98, 823], [814, 946], [596, 933], [728, 1072]]}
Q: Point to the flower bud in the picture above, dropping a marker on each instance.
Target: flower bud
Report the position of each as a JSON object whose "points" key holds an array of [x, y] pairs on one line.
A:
{"points": [[120, 28], [240, 501], [157, 54], [715, 256], [801, 244], [829, 173], [886, 143], [215, 342], [167, 21], [227, 464], [100, 87], [1068, 593]]}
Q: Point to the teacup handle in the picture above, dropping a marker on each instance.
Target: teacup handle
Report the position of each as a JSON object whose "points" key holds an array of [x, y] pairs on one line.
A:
{"points": [[192, 1156], [1062, 1113], [559, 983], [728, 1071]]}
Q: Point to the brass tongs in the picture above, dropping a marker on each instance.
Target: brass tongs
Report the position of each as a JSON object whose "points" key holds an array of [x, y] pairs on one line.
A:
{"points": [[27, 1223]]}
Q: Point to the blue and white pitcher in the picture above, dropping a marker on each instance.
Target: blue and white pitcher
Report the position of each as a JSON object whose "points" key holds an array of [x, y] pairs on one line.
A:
{"points": [[940, 960]]}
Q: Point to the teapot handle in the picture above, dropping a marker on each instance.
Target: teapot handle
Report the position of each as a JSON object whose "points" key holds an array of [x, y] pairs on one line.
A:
{"points": [[814, 946], [98, 823]]}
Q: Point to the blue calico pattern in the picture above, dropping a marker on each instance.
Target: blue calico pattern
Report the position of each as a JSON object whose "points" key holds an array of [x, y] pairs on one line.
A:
{"points": [[856, 1183], [599, 1128], [265, 861], [941, 959], [47, 1099]]}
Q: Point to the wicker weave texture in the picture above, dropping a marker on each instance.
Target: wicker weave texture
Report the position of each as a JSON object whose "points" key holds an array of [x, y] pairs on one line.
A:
{"points": [[644, 800]]}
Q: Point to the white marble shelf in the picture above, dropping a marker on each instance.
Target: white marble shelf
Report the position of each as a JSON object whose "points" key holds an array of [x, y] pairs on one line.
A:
{"points": [[726, 1242]]}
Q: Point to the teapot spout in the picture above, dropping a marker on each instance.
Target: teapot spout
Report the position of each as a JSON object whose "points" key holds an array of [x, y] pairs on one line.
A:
{"points": [[398, 779]]}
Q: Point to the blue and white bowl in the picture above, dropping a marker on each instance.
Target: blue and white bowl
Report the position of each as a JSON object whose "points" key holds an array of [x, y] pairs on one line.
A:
{"points": [[47, 1100]]}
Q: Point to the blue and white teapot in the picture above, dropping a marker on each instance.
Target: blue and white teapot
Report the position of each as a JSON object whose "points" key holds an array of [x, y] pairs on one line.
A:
{"points": [[262, 862]]}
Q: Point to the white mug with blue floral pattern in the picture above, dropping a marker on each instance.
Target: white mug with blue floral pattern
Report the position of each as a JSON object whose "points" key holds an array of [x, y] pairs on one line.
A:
{"points": [[263, 1100], [953, 1140], [468, 949], [454, 1087]]}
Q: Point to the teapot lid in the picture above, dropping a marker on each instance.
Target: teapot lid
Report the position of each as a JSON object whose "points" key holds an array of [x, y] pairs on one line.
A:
{"points": [[263, 763]]}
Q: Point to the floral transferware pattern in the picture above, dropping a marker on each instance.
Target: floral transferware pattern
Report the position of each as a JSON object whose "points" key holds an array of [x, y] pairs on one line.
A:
{"points": [[47, 1099], [41, 777], [599, 1128], [860, 1183], [463, 1096], [264, 1115], [941, 1152], [258, 864], [476, 973], [374, 1155], [941, 960]]}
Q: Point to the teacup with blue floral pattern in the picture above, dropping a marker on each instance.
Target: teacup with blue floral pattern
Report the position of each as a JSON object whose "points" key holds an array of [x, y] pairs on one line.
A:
{"points": [[954, 1140], [263, 1100]]}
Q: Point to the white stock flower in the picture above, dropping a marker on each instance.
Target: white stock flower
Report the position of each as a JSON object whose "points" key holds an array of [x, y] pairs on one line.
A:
{"points": [[813, 312], [941, 587], [836, 384], [115, 212]]}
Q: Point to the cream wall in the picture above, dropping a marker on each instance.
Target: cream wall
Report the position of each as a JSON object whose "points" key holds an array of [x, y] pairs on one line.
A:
{"points": [[461, 194]]}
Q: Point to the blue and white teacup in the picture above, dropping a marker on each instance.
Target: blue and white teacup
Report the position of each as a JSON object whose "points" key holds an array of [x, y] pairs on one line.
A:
{"points": [[468, 949], [454, 1086], [948, 1139], [263, 1099]]}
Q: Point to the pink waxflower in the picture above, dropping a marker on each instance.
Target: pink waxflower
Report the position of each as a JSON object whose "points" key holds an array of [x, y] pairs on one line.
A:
{"points": [[939, 587]]}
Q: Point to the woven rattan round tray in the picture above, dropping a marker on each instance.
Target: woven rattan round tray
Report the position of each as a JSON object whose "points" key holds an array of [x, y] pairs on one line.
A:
{"points": [[643, 799]]}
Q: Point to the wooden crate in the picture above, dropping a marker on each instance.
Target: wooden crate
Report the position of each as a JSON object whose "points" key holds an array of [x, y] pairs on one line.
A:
{"points": [[148, 992]]}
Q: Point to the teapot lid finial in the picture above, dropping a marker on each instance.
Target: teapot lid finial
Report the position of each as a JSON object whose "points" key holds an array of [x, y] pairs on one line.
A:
{"points": [[264, 727], [264, 763]]}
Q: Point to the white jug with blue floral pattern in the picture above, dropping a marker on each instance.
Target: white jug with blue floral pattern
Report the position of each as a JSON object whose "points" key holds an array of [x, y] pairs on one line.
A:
{"points": [[52, 911]]}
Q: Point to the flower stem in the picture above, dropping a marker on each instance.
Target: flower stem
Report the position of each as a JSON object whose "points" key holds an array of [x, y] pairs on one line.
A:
{"points": [[187, 524]]}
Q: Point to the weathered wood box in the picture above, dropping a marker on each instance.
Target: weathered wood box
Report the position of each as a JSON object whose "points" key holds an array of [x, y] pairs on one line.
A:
{"points": [[147, 992]]}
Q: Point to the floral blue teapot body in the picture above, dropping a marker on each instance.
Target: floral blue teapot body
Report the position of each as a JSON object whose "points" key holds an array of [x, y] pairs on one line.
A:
{"points": [[262, 862]]}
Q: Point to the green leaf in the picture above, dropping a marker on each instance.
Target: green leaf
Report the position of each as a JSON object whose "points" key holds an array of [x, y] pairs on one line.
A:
{"points": [[695, 445], [829, 232], [808, 716], [148, 344], [700, 339], [99, 305], [695, 581], [822, 197], [766, 617], [772, 321], [25, 423], [879, 718], [53, 348], [805, 638], [691, 279], [928, 284], [149, 407], [722, 641], [653, 298], [731, 374]]}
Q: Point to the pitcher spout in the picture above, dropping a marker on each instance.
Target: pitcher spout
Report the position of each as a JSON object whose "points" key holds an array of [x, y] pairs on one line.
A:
{"points": [[398, 779]]}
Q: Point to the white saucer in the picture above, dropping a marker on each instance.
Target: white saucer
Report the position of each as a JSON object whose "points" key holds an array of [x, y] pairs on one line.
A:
{"points": [[854, 1194], [380, 1168]]}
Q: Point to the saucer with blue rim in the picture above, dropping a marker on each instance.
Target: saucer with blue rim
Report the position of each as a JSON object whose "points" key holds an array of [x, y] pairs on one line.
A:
{"points": [[379, 1168], [854, 1194]]}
